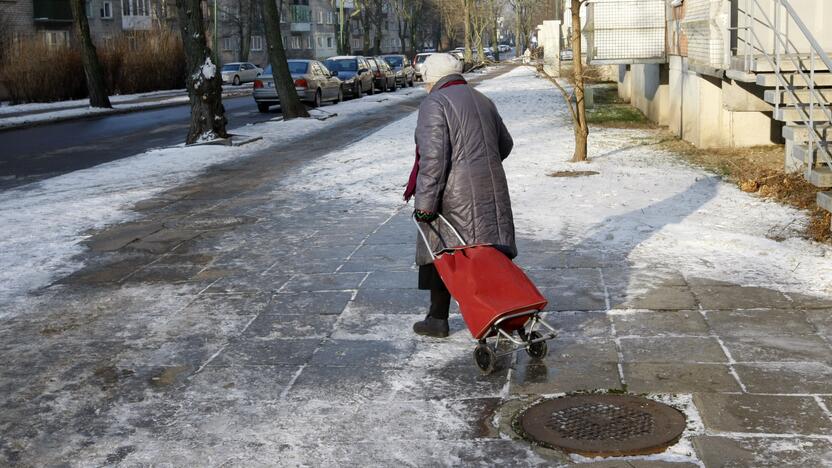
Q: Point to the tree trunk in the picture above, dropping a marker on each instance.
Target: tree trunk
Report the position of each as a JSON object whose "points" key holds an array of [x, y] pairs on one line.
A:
{"points": [[378, 18], [93, 74], [290, 105], [204, 80], [246, 17], [402, 35], [466, 14], [365, 29], [581, 128], [495, 39], [518, 46]]}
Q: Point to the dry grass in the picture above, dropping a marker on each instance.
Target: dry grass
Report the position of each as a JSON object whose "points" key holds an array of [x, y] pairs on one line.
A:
{"points": [[33, 72], [573, 173], [758, 170]]}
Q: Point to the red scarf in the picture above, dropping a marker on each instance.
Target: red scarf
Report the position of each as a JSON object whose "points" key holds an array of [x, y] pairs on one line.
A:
{"points": [[414, 173]]}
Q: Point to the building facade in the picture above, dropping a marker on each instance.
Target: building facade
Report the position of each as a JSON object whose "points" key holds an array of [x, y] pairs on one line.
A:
{"points": [[310, 28]]}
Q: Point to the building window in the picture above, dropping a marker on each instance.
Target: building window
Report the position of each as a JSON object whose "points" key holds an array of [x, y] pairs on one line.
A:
{"points": [[356, 44], [107, 10], [56, 39], [228, 43], [330, 17], [329, 42], [134, 8], [320, 41], [88, 9], [320, 16], [309, 43], [296, 42], [256, 43]]}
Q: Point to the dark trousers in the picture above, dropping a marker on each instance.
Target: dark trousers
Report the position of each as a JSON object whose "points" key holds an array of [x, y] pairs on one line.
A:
{"points": [[440, 298]]}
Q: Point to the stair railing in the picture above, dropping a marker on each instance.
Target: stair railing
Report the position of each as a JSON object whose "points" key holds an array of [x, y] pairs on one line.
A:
{"points": [[782, 46]]}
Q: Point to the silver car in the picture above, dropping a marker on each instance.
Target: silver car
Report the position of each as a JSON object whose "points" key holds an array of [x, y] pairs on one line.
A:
{"points": [[314, 84], [240, 72], [419, 63]]}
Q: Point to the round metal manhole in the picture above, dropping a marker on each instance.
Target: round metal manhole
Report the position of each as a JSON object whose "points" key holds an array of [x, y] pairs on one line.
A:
{"points": [[210, 223], [602, 425]]}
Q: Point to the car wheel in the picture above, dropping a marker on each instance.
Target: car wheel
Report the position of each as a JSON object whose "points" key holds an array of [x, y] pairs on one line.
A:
{"points": [[236, 81], [395, 86], [340, 95], [411, 83], [317, 101], [262, 107]]}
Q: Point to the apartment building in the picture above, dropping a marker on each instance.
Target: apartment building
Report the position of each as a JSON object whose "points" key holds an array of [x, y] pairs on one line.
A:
{"points": [[727, 73], [52, 19]]}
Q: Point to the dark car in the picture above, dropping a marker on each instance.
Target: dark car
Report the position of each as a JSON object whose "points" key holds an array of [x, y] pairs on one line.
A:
{"points": [[354, 72], [405, 74], [385, 78], [314, 84]]}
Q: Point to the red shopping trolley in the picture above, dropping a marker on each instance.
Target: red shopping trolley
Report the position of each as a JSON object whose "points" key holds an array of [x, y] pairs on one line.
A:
{"points": [[495, 296]]}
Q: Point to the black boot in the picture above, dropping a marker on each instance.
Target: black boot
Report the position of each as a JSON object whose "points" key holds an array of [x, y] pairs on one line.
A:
{"points": [[437, 328]]}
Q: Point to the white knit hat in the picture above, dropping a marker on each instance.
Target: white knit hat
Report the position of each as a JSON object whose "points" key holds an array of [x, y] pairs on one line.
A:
{"points": [[438, 66]]}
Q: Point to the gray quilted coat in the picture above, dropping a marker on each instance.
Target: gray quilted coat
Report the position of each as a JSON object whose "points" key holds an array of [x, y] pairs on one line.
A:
{"points": [[462, 142]]}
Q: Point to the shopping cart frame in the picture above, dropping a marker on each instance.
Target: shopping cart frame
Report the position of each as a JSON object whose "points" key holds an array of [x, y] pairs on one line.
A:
{"points": [[529, 336]]}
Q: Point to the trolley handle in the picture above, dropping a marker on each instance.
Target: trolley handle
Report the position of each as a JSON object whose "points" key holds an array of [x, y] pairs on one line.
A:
{"points": [[425, 238]]}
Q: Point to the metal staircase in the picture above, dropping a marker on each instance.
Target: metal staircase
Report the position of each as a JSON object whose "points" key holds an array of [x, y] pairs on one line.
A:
{"points": [[798, 82]]}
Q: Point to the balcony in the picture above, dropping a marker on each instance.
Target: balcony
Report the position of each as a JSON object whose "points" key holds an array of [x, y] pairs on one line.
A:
{"points": [[300, 18], [52, 11]]}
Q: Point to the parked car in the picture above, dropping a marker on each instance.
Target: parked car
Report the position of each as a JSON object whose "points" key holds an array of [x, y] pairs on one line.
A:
{"points": [[503, 48], [354, 71], [240, 72], [314, 84], [418, 64], [566, 54], [385, 78], [405, 75]]}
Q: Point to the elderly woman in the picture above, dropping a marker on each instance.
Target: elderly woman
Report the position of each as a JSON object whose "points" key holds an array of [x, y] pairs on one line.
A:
{"points": [[461, 142]]}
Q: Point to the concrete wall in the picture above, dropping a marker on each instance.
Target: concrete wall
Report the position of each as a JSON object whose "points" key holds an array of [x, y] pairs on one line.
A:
{"points": [[693, 106]]}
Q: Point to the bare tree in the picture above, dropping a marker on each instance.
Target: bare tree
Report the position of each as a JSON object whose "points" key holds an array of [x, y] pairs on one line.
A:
{"points": [[290, 105], [240, 18], [578, 108], [466, 18], [94, 75], [449, 18], [204, 80]]}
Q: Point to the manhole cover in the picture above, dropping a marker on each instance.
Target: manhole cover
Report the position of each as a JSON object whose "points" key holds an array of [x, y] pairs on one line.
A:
{"points": [[603, 425], [210, 223]]}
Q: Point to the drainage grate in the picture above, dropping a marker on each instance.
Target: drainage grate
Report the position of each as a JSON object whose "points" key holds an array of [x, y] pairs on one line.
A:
{"points": [[602, 425]]}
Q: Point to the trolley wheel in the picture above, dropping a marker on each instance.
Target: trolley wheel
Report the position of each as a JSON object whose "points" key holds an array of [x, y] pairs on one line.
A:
{"points": [[485, 358], [537, 350]]}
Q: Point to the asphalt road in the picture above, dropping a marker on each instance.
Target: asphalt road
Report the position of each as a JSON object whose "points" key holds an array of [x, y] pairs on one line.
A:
{"points": [[34, 153]]}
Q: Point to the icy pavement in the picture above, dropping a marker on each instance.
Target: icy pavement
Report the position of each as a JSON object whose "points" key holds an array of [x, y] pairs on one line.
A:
{"points": [[260, 314]]}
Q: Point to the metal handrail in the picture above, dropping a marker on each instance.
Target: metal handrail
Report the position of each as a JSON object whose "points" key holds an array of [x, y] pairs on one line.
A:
{"points": [[782, 39]]}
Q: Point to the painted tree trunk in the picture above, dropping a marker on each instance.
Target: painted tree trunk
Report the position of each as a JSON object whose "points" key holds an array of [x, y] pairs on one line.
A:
{"points": [[581, 127], [93, 74], [290, 105], [204, 81]]}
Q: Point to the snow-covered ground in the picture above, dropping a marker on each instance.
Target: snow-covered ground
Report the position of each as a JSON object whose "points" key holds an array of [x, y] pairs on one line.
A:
{"points": [[37, 112], [644, 203], [44, 222]]}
